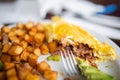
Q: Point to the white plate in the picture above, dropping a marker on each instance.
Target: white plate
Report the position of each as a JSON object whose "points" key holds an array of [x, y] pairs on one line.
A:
{"points": [[113, 66], [109, 21], [110, 67]]}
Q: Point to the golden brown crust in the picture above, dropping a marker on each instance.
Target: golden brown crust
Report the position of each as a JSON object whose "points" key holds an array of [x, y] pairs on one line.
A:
{"points": [[58, 29]]}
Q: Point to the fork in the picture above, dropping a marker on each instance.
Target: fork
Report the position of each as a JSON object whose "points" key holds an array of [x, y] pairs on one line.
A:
{"points": [[70, 64]]}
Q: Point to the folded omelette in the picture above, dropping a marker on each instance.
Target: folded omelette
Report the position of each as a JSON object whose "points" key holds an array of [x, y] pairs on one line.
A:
{"points": [[83, 44]]}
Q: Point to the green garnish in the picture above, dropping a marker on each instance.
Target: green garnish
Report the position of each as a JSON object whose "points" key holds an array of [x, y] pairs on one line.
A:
{"points": [[53, 58], [56, 58], [50, 58], [92, 73]]}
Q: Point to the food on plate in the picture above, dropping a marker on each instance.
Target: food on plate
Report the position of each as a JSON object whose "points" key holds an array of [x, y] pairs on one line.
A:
{"points": [[23, 42], [24, 71], [45, 69], [20, 47], [53, 58], [84, 45], [61, 35], [50, 75], [52, 46], [44, 49], [42, 67]]}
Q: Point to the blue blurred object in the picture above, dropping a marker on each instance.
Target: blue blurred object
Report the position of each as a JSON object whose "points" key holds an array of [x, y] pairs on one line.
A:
{"points": [[108, 9]]}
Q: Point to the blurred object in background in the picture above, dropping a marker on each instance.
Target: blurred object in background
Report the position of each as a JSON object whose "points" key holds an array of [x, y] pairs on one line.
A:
{"points": [[110, 16], [83, 9], [52, 7], [18, 11], [109, 2], [7, 1]]}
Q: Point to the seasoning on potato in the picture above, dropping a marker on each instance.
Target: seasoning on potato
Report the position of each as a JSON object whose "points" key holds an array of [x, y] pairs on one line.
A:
{"points": [[20, 47]]}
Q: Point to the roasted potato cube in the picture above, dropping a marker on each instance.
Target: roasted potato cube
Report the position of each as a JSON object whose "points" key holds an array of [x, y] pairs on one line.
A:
{"points": [[39, 37], [20, 25], [40, 27], [6, 47], [16, 58], [6, 29], [31, 39], [43, 66], [50, 75], [8, 65], [32, 59], [31, 33], [28, 38], [13, 29], [34, 29], [44, 49], [22, 74], [11, 33], [2, 75], [13, 78], [37, 45], [24, 44], [52, 46], [5, 58], [32, 77], [37, 51], [29, 25], [20, 32], [30, 49], [15, 50], [24, 55], [32, 56], [11, 72], [14, 39]]}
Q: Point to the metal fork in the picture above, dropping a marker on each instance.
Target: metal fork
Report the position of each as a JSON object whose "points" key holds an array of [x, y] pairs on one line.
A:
{"points": [[70, 64]]}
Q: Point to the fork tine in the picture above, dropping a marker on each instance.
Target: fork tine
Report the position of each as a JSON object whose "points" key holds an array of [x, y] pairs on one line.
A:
{"points": [[74, 61], [64, 63], [69, 62]]}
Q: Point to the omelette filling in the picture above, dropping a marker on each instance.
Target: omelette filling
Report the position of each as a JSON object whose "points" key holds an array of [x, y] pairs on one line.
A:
{"points": [[82, 51]]}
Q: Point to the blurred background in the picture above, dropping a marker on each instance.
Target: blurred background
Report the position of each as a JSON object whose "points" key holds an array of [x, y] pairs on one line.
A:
{"points": [[102, 16]]}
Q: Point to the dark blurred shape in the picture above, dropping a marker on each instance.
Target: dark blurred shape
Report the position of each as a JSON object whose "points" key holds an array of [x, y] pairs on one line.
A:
{"points": [[105, 2], [63, 10], [116, 41], [49, 15], [108, 2], [7, 1]]}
